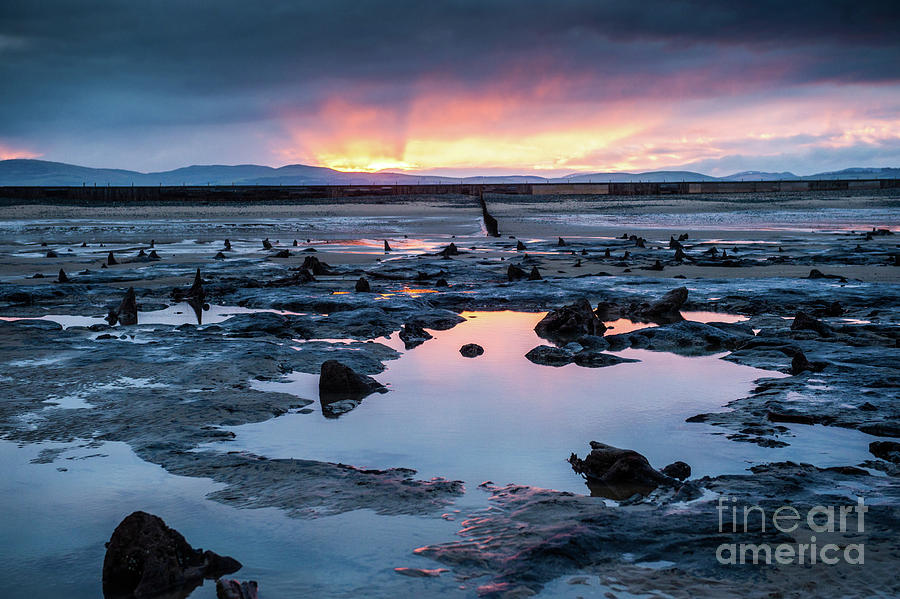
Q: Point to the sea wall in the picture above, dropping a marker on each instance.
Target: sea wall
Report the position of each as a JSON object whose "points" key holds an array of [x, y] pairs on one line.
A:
{"points": [[288, 193]]}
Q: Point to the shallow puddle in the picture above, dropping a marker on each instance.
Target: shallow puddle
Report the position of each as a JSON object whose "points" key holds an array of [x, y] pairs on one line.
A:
{"points": [[176, 315]]}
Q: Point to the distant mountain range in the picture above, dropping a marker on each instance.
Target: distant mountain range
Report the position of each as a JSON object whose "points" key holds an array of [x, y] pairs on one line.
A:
{"points": [[21, 172]]}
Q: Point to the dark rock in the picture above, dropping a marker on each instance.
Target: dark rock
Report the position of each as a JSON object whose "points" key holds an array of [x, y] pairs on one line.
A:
{"points": [[547, 355], [111, 260], [674, 244], [683, 237], [471, 350], [62, 277], [316, 266], [52, 254], [219, 256], [665, 310], [362, 285], [285, 253], [805, 322], [595, 359], [127, 312], [655, 266], [561, 243], [441, 283], [37, 275], [450, 250], [514, 273], [267, 245], [818, 274], [570, 322], [413, 335], [520, 247], [227, 245], [337, 381], [886, 450], [490, 223], [774, 416], [618, 473], [678, 470], [153, 256], [680, 255], [296, 243], [146, 558], [535, 274], [387, 246]]}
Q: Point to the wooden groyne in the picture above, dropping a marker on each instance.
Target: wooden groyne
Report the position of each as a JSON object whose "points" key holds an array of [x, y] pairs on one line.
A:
{"points": [[288, 193]]}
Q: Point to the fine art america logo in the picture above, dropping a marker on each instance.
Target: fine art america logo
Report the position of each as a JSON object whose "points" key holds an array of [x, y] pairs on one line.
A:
{"points": [[787, 519]]}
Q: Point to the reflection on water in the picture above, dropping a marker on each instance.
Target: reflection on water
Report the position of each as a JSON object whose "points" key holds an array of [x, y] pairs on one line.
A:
{"points": [[181, 313], [499, 417]]}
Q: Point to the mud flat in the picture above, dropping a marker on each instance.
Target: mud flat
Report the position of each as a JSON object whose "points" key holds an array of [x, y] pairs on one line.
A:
{"points": [[773, 374]]}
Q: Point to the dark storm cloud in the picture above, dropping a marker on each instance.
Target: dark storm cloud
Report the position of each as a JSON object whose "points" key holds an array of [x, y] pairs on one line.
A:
{"points": [[233, 60], [97, 66]]}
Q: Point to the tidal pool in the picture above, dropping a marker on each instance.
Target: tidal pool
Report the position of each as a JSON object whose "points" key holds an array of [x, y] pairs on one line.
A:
{"points": [[500, 417]]}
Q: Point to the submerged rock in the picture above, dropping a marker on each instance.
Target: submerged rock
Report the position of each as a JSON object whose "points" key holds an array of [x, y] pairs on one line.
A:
{"points": [[471, 350], [146, 558], [570, 322], [618, 473], [232, 589]]}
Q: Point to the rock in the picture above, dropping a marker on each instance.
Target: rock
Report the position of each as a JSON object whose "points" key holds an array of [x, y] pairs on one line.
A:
{"points": [[535, 274], [490, 223], [285, 253], [678, 470], [680, 255], [450, 250], [655, 266], [683, 237], [441, 283], [232, 589], [52, 254], [471, 350], [805, 322], [618, 473], [596, 359], [219, 256], [37, 275], [520, 247], [561, 243], [316, 266], [267, 245], [153, 256], [296, 243], [514, 273], [387, 246], [413, 335], [62, 277], [886, 450], [674, 244], [547, 355], [337, 381], [127, 312], [111, 260], [775, 416], [227, 245], [665, 310], [570, 322], [146, 558], [818, 274], [362, 285]]}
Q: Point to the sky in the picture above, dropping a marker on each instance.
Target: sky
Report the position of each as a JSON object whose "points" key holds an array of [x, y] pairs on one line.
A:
{"points": [[453, 87]]}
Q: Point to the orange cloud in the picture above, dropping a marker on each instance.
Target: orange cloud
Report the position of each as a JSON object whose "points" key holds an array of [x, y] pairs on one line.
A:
{"points": [[538, 127], [8, 153]]}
